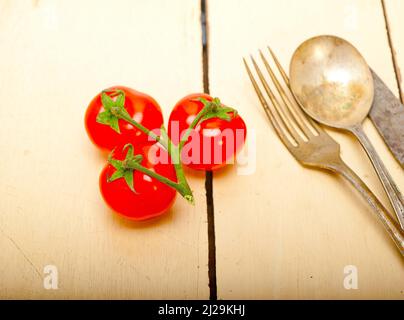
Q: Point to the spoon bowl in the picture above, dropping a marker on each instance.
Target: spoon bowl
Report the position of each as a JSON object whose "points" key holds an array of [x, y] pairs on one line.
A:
{"points": [[332, 81]]}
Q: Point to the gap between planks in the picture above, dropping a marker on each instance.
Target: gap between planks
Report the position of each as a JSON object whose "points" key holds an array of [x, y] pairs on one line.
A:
{"points": [[392, 50], [209, 174]]}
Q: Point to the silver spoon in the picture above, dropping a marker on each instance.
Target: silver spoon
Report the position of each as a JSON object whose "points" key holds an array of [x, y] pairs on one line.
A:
{"points": [[333, 84]]}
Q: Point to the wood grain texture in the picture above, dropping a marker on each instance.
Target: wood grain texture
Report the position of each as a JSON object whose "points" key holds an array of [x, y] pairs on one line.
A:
{"points": [[56, 55], [285, 231], [394, 15]]}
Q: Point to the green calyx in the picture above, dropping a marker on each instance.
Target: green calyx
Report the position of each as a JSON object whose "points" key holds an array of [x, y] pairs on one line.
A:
{"points": [[215, 109], [124, 169], [114, 109], [211, 109]]}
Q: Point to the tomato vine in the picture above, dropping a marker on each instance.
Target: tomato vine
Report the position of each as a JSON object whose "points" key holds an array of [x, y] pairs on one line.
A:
{"points": [[113, 102]]}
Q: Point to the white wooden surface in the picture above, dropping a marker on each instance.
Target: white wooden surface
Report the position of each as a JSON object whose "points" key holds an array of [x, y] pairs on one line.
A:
{"points": [[282, 232], [56, 55], [286, 231]]}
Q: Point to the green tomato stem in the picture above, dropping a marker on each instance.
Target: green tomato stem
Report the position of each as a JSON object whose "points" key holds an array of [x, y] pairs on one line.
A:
{"points": [[142, 128], [182, 186], [174, 151], [192, 126]]}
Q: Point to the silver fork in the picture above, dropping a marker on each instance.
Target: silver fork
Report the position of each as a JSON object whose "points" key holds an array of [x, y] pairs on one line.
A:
{"points": [[309, 143]]}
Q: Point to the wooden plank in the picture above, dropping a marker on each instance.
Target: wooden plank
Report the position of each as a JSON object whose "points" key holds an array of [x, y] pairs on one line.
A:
{"points": [[285, 231], [56, 55], [394, 14]]}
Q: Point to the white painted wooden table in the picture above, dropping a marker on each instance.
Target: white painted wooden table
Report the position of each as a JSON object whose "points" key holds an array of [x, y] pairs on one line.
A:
{"points": [[281, 232]]}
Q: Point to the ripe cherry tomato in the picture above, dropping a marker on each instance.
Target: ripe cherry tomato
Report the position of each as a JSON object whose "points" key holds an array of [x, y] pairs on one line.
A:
{"points": [[141, 107], [214, 142], [151, 197]]}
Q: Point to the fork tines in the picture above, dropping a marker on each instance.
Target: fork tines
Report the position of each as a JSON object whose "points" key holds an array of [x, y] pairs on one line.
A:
{"points": [[292, 126]]}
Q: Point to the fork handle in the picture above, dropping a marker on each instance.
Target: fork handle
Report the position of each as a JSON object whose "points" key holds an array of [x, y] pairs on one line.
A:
{"points": [[391, 226], [395, 197]]}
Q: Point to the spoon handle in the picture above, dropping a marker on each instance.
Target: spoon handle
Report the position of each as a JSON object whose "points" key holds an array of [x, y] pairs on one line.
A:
{"points": [[389, 185], [391, 226]]}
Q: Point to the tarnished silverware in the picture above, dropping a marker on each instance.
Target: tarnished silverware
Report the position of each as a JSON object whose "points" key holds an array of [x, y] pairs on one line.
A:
{"points": [[387, 114], [308, 143], [333, 84]]}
